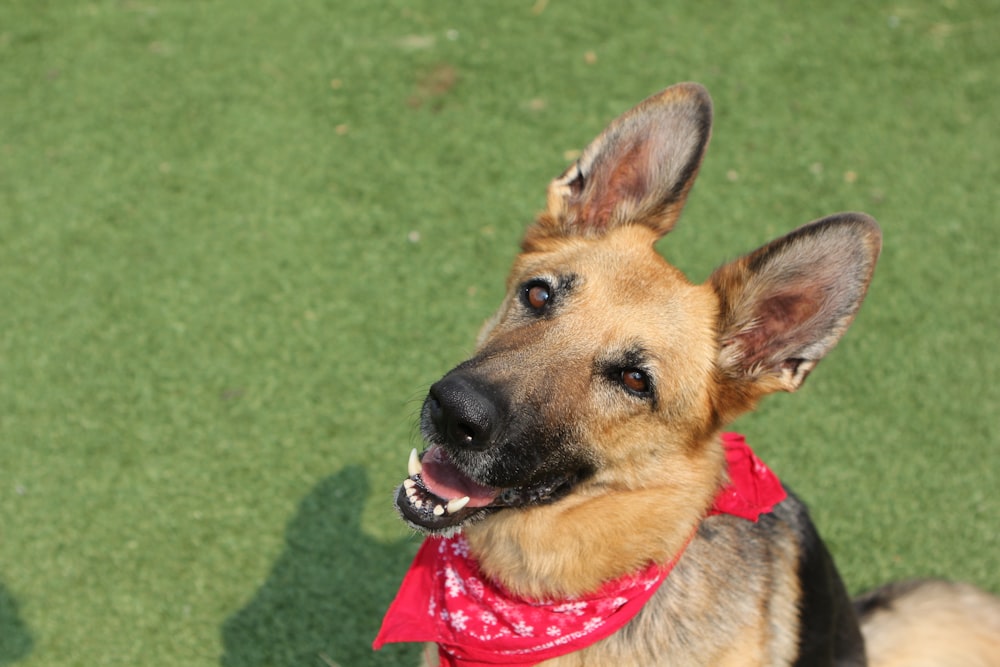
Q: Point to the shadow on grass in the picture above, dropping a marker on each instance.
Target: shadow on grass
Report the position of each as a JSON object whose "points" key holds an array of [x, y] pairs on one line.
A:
{"points": [[15, 640], [324, 599]]}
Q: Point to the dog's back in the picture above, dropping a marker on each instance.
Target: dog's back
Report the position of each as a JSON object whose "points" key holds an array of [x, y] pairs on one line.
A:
{"points": [[768, 593], [930, 623]]}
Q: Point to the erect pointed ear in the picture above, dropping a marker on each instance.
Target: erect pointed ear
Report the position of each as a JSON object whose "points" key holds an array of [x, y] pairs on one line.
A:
{"points": [[639, 170], [785, 305]]}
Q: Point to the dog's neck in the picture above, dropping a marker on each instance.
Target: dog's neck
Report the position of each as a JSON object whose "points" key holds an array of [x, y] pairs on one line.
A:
{"points": [[516, 548], [533, 553], [451, 584], [541, 553]]}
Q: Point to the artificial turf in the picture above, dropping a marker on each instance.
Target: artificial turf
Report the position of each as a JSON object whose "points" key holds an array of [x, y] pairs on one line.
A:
{"points": [[239, 240]]}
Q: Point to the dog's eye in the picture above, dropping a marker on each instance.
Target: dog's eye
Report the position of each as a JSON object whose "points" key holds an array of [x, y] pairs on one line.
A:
{"points": [[635, 380], [537, 295]]}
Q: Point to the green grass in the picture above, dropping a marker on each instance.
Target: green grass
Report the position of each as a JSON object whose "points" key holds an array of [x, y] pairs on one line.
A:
{"points": [[239, 240]]}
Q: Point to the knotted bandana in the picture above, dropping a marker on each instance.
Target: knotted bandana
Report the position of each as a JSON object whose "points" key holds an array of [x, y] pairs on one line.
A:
{"points": [[475, 622]]}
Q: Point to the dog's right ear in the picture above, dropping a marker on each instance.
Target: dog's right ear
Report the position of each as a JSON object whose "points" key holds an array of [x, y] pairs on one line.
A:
{"points": [[638, 171]]}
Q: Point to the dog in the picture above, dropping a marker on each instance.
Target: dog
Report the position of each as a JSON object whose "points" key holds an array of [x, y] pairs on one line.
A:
{"points": [[583, 502]]}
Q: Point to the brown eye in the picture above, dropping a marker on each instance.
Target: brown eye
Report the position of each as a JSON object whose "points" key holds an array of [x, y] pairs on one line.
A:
{"points": [[635, 380], [537, 295]]}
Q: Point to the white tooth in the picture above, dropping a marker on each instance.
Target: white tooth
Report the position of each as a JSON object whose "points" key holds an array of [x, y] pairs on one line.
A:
{"points": [[410, 492], [409, 483], [438, 510], [414, 466], [457, 504], [418, 503]]}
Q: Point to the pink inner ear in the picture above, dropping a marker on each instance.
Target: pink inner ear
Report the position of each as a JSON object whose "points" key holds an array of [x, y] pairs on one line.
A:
{"points": [[780, 324], [626, 181]]}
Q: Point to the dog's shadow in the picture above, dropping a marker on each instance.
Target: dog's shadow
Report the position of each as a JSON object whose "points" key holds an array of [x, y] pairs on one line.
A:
{"points": [[15, 638], [325, 596]]}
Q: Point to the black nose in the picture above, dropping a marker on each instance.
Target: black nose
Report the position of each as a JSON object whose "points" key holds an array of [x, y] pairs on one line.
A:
{"points": [[462, 411]]}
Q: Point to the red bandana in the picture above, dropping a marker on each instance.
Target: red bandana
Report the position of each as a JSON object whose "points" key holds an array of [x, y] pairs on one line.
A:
{"points": [[475, 622]]}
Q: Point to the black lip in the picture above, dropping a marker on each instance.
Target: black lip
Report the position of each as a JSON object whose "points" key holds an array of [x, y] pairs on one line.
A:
{"points": [[424, 520]]}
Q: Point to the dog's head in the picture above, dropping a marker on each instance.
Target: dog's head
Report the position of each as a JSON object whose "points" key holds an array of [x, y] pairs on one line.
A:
{"points": [[604, 368]]}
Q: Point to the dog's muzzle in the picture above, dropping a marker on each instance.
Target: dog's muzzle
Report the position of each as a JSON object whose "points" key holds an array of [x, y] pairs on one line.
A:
{"points": [[475, 462]]}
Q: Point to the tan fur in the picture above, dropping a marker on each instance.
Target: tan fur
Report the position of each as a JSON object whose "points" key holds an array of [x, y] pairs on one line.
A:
{"points": [[760, 324], [935, 624], [664, 478]]}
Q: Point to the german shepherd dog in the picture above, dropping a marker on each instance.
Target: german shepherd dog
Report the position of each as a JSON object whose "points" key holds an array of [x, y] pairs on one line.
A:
{"points": [[582, 441]]}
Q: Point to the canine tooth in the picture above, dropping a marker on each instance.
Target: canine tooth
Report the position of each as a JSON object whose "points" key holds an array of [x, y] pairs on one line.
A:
{"points": [[414, 466], [438, 510], [457, 503]]}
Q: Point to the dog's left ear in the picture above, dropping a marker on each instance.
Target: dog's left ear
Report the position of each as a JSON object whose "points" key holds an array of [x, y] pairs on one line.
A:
{"points": [[785, 305], [638, 171]]}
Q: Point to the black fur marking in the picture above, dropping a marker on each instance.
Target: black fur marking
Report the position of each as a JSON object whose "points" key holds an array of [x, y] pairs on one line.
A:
{"points": [[884, 598], [499, 444], [828, 628], [879, 600], [703, 129]]}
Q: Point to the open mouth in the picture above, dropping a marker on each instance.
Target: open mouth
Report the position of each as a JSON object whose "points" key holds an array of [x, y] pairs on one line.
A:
{"points": [[438, 497]]}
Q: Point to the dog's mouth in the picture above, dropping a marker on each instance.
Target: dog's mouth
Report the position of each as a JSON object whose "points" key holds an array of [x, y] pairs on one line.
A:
{"points": [[438, 497]]}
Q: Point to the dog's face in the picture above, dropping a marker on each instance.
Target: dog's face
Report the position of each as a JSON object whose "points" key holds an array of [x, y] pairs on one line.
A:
{"points": [[605, 370], [596, 365]]}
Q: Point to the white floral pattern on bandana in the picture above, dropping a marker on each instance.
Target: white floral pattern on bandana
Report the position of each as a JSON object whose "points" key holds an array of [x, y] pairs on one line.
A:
{"points": [[474, 607], [444, 598]]}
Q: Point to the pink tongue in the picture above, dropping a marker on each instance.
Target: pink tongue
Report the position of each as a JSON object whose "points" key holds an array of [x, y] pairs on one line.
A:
{"points": [[444, 480]]}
